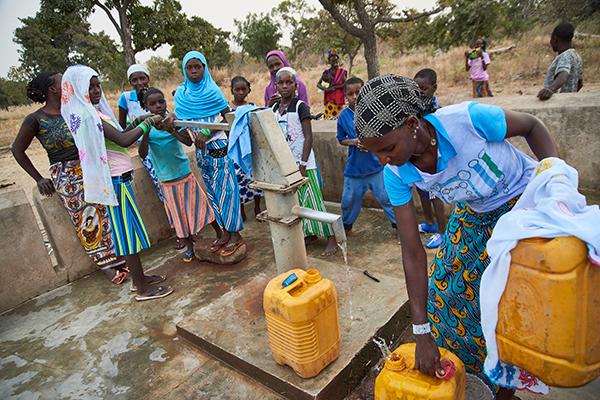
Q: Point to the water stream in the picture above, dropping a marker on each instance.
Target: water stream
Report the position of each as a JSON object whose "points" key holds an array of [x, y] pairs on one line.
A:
{"points": [[385, 351], [344, 247]]}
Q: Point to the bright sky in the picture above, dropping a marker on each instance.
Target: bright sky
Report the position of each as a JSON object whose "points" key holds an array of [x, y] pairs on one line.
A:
{"points": [[221, 16]]}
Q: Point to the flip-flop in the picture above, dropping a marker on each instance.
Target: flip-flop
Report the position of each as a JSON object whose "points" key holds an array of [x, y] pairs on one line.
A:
{"points": [[180, 244], [188, 257], [119, 277], [154, 279], [157, 294], [215, 246], [232, 247]]}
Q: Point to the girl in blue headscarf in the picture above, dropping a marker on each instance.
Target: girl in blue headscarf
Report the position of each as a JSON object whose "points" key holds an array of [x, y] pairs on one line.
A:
{"points": [[200, 99]]}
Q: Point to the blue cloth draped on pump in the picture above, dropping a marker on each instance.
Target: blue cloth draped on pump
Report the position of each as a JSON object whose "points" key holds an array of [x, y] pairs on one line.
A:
{"points": [[198, 99], [239, 147]]}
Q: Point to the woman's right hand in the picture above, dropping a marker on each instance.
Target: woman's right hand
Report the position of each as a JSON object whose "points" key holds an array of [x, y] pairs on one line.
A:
{"points": [[427, 355], [274, 99], [45, 187]]}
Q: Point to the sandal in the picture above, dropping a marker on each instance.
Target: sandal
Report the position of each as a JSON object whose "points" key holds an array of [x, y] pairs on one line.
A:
{"points": [[180, 244], [119, 277], [232, 248], [215, 246], [188, 257], [160, 292], [153, 280]]}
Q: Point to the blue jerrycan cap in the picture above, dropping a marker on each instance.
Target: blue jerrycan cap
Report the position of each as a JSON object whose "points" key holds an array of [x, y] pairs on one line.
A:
{"points": [[291, 278]]}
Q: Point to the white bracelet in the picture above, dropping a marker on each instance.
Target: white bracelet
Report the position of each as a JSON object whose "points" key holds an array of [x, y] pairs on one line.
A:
{"points": [[422, 329], [303, 163]]}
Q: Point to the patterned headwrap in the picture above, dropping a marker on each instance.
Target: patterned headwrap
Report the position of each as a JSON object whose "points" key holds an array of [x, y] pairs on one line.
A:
{"points": [[86, 126], [331, 53], [287, 69], [385, 103], [137, 68], [198, 99]]}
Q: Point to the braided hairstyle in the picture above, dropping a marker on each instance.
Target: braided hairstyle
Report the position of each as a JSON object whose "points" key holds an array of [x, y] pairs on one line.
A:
{"points": [[37, 89], [147, 92], [240, 79]]}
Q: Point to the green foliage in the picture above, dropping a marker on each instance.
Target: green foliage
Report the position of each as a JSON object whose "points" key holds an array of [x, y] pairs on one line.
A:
{"points": [[12, 93], [59, 45], [162, 69], [294, 15], [221, 54], [195, 34], [257, 34]]}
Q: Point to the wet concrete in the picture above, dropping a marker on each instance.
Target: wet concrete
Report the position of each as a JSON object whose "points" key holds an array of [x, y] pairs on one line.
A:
{"points": [[91, 340]]}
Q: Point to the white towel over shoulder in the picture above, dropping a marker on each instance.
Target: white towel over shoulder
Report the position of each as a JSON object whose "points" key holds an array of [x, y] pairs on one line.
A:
{"points": [[549, 207]]}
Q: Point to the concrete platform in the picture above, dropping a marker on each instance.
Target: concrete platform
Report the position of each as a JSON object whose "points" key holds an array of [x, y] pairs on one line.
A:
{"points": [[234, 330], [91, 340]]}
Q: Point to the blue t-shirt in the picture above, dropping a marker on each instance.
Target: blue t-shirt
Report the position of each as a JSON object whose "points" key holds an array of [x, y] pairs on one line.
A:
{"points": [[360, 163], [486, 172], [166, 153], [129, 101]]}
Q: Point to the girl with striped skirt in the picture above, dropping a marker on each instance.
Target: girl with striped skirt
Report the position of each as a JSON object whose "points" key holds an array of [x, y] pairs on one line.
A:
{"points": [[293, 116], [185, 201], [200, 99], [107, 169]]}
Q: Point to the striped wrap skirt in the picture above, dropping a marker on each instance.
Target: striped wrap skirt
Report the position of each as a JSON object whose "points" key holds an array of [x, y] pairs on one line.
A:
{"points": [[310, 196]]}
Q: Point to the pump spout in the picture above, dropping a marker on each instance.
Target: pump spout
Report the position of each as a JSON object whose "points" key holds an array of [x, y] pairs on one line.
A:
{"points": [[327, 218]]}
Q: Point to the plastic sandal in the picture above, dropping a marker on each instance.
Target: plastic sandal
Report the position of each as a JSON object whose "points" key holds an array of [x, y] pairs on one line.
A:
{"points": [[188, 257], [119, 277], [423, 227], [154, 279], [435, 241], [157, 294], [232, 248]]}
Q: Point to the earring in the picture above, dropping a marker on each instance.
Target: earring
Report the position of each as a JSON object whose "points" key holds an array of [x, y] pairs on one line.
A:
{"points": [[415, 134]]}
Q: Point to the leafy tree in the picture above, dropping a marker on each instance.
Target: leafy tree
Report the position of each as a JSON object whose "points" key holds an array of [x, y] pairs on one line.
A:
{"points": [[162, 69], [322, 32], [12, 93], [257, 34], [221, 54], [59, 45], [367, 15], [139, 27], [293, 14]]}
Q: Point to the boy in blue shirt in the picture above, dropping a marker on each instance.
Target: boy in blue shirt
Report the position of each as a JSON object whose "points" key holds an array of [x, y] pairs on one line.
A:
{"points": [[363, 171]]}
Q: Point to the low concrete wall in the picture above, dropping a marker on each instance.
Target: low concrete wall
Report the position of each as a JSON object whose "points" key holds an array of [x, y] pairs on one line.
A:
{"points": [[572, 118], [26, 269]]}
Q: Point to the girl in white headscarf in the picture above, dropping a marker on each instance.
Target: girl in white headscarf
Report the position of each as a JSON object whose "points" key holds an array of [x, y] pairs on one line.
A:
{"points": [[107, 169]]}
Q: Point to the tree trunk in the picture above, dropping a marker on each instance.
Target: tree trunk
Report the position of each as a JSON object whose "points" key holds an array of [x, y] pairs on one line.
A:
{"points": [[126, 37], [370, 52]]}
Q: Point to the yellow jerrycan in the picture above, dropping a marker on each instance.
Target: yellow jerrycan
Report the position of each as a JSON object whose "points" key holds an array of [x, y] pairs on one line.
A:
{"points": [[549, 314], [399, 381], [302, 321]]}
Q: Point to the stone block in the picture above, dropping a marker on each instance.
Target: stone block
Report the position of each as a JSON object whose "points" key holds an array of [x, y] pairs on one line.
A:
{"points": [[26, 269], [72, 259]]}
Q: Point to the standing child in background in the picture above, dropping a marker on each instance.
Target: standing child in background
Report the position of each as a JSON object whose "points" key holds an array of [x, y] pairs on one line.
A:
{"points": [[240, 88], [363, 171], [565, 74], [185, 201], [293, 116], [477, 61], [427, 81], [334, 92]]}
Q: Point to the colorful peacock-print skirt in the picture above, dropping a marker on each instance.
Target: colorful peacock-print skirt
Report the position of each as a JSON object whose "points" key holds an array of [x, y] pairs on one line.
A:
{"points": [[454, 278]]}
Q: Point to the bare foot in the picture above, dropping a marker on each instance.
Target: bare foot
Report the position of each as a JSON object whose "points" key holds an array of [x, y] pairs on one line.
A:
{"points": [[310, 240], [331, 247]]}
